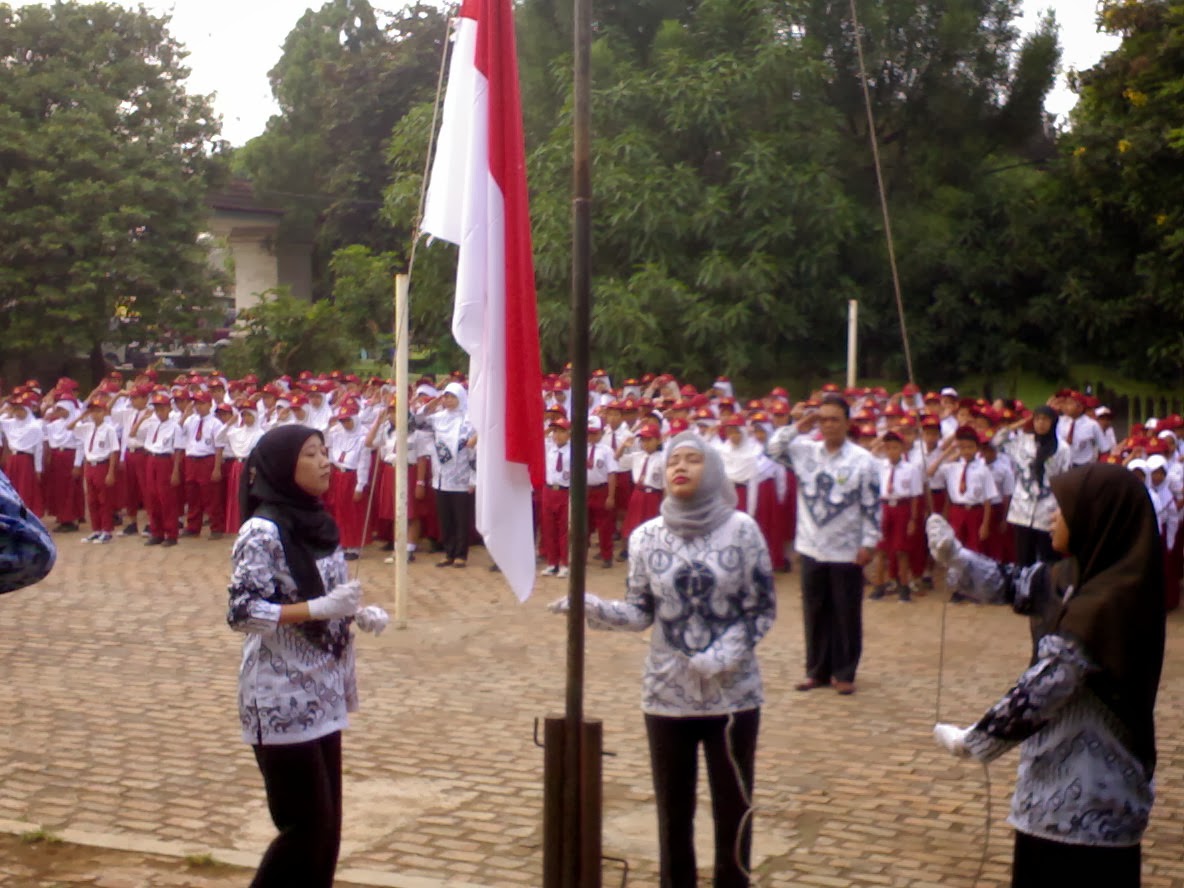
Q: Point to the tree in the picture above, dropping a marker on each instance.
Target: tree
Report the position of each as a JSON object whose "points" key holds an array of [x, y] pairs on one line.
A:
{"points": [[107, 163], [284, 335], [1119, 181], [343, 82]]}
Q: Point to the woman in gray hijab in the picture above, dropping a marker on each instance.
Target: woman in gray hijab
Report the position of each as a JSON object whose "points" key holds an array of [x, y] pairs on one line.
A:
{"points": [[700, 574]]}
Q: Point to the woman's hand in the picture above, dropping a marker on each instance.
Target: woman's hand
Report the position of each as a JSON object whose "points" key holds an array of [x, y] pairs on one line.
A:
{"points": [[952, 739], [372, 619], [337, 604]]}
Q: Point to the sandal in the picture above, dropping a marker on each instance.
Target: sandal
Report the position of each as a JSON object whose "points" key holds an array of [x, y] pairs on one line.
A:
{"points": [[447, 562], [808, 685], [460, 562]]}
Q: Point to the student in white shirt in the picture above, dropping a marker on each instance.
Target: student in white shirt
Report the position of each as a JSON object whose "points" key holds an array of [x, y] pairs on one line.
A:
{"points": [[64, 496], [901, 553], [554, 500], [970, 489], [24, 438], [203, 494], [347, 500], [1082, 434], [602, 490], [98, 456], [165, 442]]}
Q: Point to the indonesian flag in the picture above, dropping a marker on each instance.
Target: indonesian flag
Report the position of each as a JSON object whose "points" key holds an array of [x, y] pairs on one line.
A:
{"points": [[477, 200]]}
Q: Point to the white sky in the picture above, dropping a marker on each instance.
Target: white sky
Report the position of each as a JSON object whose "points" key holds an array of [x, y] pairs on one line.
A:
{"points": [[234, 43]]}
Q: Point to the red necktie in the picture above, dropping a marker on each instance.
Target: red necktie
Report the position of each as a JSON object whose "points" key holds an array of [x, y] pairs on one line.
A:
{"points": [[156, 434], [613, 439], [200, 420], [645, 465], [559, 461], [962, 482], [591, 452], [891, 479], [91, 445], [1072, 425]]}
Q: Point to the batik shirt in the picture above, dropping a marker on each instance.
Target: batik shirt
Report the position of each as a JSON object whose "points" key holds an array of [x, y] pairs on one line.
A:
{"points": [[289, 689], [1032, 502], [838, 496], [27, 552], [710, 598], [1078, 783]]}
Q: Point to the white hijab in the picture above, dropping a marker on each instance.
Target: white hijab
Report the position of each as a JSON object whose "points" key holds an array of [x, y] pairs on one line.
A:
{"points": [[448, 423], [740, 460]]}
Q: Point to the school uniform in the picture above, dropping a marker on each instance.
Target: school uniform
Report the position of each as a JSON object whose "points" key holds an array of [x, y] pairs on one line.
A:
{"points": [[602, 466], [163, 439], [133, 460], [901, 492], [1001, 545], [1168, 518], [63, 493], [25, 439], [203, 495], [100, 442], [349, 475], [772, 490], [621, 441], [649, 483], [239, 441], [553, 505], [970, 489], [937, 482]]}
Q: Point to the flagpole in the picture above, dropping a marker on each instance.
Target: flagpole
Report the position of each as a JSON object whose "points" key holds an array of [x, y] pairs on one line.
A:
{"points": [[402, 412], [581, 297]]}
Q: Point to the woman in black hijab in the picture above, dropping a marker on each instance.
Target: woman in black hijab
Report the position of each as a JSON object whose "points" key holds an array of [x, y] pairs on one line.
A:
{"points": [[1084, 711], [290, 593]]}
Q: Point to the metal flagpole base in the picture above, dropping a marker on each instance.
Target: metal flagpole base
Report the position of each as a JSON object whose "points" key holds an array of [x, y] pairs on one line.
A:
{"points": [[559, 848]]}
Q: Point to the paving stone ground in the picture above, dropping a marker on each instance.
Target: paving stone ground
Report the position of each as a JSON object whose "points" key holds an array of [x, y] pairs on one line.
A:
{"points": [[120, 725]]}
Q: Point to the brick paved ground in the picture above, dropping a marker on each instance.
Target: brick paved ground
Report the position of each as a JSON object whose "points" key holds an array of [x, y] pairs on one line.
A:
{"points": [[119, 724]]}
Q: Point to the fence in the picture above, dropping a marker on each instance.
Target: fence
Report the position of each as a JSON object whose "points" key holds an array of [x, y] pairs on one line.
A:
{"points": [[1127, 410]]}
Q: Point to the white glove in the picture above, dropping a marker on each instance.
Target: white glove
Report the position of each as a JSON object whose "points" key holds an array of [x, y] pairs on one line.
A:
{"points": [[372, 618], [943, 545], [562, 605], [952, 739], [338, 604], [708, 664]]}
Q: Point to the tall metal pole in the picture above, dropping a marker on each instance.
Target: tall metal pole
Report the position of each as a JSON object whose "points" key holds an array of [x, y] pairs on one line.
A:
{"points": [[402, 283], [581, 298]]}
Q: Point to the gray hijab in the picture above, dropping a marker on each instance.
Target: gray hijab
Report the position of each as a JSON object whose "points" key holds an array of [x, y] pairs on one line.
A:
{"points": [[711, 505]]}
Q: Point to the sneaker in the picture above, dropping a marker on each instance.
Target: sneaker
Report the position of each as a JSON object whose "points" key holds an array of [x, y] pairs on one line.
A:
{"points": [[878, 592], [623, 556], [154, 541], [146, 532], [131, 530], [957, 598], [549, 571], [103, 538], [906, 594], [91, 538], [167, 543], [351, 555], [388, 546], [563, 572]]}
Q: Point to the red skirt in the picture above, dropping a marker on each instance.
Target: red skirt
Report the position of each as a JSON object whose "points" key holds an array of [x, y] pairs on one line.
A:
{"points": [[643, 505], [232, 471], [349, 514], [385, 495], [24, 479], [770, 517]]}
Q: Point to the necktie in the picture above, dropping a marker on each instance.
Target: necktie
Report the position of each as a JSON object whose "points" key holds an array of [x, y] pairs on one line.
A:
{"points": [[91, 446], [962, 482], [891, 479], [559, 461], [200, 420], [156, 434], [591, 453], [1072, 425], [613, 439], [645, 465]]}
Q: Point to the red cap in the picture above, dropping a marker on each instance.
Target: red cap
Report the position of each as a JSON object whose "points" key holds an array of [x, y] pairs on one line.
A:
{"points": [[733, 422], [779, 392], [649, 430], [932, 398], [561, 423], [966, 433], [224, 408], [831, 388], [909, 389], [678, 426], [160, 399], [780, 409], [202, 398]]}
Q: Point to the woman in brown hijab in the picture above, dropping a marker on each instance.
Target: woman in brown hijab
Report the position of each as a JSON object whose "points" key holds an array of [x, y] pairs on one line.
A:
{"points": [[1082, 714]]}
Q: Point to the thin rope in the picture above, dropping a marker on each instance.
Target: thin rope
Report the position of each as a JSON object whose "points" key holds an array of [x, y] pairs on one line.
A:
{"points": [[399, 319], [871, 134], [908, 359]]}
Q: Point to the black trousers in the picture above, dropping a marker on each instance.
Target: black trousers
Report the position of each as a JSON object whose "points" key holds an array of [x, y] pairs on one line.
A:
{"points": [[1039, 863], [832, 607], [303, 783], [674, 760], [1032, 546], [455, 511]]}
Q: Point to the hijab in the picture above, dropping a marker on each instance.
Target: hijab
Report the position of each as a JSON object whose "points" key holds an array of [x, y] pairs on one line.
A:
{"points": [[1116, 607], [1046, 444], [711, 504], [740, 460], [268, 489], [449, 423]]}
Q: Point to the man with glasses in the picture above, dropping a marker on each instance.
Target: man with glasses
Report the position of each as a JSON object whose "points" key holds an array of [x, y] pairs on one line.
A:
{"points": [[837, 533]]}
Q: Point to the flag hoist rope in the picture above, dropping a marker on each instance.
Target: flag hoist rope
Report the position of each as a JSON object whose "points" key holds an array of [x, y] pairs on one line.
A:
{"points": [[400, 317], [908, 358]]}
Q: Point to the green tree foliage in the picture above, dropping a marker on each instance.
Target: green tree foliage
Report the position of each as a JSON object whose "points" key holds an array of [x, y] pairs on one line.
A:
{"points": [[344, 80], [736, 209], [1120, 181], [282, 334], [106, 161]]}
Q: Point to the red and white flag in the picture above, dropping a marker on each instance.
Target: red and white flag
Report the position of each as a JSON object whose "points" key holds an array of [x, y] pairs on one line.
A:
{"points": [[477, 199]]}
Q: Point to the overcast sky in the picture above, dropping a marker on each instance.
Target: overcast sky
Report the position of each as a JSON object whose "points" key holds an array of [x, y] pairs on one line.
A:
{"points": [[234, 43]]}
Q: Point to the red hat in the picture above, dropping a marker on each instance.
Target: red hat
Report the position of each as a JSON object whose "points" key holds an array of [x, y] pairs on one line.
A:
{"points": [[893, 436], [116, 375], [780, 409], [830, 388], [678, 426], [910, 389], [688, 391], [628, 404], [759, 416], [966, 433], [96, 400], [646, 378], [345, 413], [561, 423], [733, 422], [1171, 422], [66, 384], [932, 398], [140, 391], [907, 422], [779, 392], [703, 414], [160, 399], [150, 373], [865, 431], [754, 404], [202, 398], [681, 405], [272, 389], [967, 403], [649, 430], [894, 410], [351, 377], [181, 393], [224, 408], [298, 399], [865, 416], [729, 403]]}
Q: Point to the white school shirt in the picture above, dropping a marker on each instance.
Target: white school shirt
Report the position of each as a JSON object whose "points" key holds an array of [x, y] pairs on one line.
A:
{"points": [[1109, 439], [58, 436], [1088, 442], [201, 434], [162, 437], [1003, 475], [899, 482], [25, 436], [558, 462], [98, 442], [618, 438], [980, 485], [601, 463], [348, 452], [649, 469], [318, 417], [936, 482], [241, 439]]}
